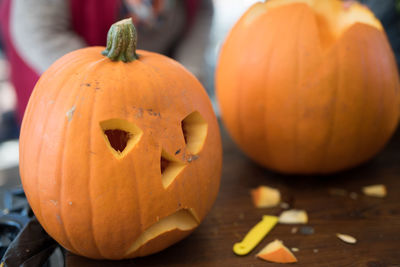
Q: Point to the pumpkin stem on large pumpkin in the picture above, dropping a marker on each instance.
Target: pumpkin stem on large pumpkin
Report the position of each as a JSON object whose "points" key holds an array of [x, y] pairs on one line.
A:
{"points": [[121, 41]]}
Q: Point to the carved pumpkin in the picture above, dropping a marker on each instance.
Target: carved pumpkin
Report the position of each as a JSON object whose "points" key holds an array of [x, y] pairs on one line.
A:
{"points": [[308, 86], [120, 155]]}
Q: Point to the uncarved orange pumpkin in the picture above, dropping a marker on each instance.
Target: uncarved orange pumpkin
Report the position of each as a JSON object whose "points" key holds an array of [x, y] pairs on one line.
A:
{"points": [[120, 154], [308, 86]]}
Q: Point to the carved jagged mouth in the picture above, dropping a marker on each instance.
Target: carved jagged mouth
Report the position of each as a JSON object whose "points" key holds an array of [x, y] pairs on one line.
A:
{"points": [[184, 220]]}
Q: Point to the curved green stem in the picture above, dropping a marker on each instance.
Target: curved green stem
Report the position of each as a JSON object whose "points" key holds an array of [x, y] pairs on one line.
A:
{"points": [[121, 41]]}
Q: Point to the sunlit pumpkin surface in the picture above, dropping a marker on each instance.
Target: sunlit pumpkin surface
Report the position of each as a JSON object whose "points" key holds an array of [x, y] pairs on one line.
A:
{"points": [[119, 160], [308, 86]]}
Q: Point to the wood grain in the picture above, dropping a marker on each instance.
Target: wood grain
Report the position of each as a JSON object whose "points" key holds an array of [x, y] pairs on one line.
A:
{"points": [[373, 221]]}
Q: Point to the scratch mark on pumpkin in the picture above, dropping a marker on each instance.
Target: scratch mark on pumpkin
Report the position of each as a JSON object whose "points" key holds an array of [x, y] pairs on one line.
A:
{"points": [[70, 203], [153, 113], [139, 113], [70, 113], [97, 87], [58, 218], [54, 202], [192, 158]]}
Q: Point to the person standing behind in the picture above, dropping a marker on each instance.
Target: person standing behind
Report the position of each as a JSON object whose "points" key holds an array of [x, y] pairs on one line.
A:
{"points": [[38, 32]]}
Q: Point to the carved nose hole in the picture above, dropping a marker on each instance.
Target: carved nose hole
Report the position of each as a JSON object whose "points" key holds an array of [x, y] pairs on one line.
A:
{"points": [[170, 168]]}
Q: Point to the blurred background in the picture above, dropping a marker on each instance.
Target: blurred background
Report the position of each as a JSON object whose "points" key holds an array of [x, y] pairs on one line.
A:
{"points": [[191, 31]]}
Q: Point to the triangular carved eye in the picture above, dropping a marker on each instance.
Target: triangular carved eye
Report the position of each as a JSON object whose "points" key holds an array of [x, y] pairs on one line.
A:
{"points": [[170, 168], [118, 139], [194, 128], [120, 136]]}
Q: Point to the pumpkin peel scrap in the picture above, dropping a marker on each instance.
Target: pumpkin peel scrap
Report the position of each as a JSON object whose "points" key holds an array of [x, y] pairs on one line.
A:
{"points": [[276, 251], [265, 197], [378, 190]]}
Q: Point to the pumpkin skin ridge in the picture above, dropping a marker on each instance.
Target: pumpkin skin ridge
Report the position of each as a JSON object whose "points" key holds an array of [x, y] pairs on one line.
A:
{"points": [[118, 69], [22, 145], [380, 147], [329, 137], [352, 29], [90, 171], [138, 190], [267, 67], [99, 254], [326, 51], [83, 80], [296, 91], [382, 92], [39, 211], [90, 67], [298, 19], [338, 86]]}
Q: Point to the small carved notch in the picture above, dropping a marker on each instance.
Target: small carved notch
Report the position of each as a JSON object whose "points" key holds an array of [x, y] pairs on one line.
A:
{"points": [[170, 168], [194, 129]]}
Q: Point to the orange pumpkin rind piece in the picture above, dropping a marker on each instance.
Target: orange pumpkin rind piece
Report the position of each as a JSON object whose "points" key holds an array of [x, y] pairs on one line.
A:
{"points": [[276, 252], [265, 197]]}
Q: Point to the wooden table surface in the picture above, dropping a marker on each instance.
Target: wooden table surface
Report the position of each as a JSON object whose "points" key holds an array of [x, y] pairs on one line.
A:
{"points": [[375, 222]]}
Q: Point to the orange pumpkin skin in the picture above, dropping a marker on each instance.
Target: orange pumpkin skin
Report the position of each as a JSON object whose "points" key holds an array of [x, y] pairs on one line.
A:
{"points": [[299, 98], [93, 201]]}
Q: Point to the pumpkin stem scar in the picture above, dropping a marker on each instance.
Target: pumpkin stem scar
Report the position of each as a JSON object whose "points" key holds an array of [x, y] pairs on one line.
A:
{"points": [[121, 41]]}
